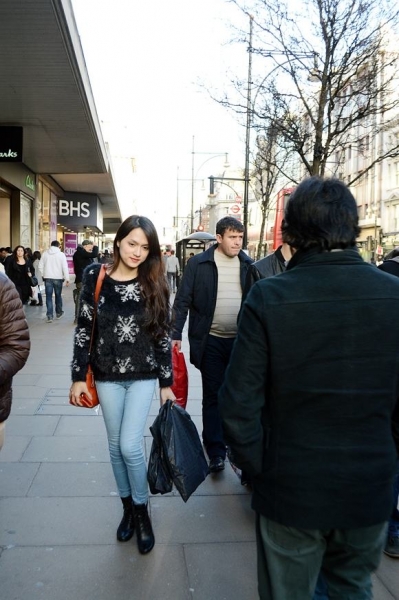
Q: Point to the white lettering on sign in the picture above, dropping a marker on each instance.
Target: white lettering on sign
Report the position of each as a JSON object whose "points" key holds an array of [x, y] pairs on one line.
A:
{"points": [[69, 251], [9, 154], [69, 208]]}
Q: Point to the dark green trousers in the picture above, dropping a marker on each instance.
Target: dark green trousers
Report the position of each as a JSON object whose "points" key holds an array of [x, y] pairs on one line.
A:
{"points": [[290, 560]]}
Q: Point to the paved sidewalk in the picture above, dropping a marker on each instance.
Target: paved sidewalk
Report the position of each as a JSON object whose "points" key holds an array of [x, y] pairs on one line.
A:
{"points": [[59, 508]]}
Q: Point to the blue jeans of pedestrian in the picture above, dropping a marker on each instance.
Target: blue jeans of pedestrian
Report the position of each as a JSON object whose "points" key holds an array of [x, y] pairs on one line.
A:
{"points": [[125, 406], [213, 366], [290, 560], [53, 285]]}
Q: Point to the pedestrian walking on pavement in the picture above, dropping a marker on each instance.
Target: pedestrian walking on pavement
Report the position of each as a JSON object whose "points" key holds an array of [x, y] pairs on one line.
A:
{"points": [[211, 289], [14, 345], [310, 410], [131, 353], [53, 267], [36, 260], [172, 270], [84, 255], [20, 270], [391, 549]]}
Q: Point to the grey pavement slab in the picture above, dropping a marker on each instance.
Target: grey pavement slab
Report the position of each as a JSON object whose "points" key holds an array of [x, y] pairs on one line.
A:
{"points": [[14, 448], [94, 572], [222, 571], [388, 572], [27, 379], [52, 380], [80, 425], [58, 368], [24, 392], [31, 425], [26, 406], [59, 521], [64, 408], [73, 480], [16, 478], [380, 592], [67, 448], [210, 519]]}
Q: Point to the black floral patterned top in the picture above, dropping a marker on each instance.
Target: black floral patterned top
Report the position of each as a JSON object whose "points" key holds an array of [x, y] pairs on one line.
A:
{"points": [[122, 349]]}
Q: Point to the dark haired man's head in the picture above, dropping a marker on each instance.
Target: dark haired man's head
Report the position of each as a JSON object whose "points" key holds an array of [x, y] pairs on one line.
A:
{"points": [[228, 223], [321, 213], [229, 236], [55, 243]]}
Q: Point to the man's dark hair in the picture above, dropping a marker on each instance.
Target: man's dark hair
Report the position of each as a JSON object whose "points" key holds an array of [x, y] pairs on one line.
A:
{"points": [[228, 223], [321, 213], [55, 243]]}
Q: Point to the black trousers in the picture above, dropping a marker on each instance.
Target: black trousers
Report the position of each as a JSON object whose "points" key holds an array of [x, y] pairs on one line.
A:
{"points": [[213, 367]]}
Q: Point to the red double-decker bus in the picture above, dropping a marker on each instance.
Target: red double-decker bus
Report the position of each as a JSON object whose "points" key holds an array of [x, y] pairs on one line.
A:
{"points": [[282, 198]]}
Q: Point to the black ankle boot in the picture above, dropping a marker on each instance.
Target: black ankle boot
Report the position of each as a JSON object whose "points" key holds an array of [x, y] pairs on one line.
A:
{"points": [[126, 527], [145, 535]]}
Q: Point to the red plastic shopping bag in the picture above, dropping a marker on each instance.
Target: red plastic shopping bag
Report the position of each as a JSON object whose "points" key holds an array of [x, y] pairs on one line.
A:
{"points": [[180, 377]]}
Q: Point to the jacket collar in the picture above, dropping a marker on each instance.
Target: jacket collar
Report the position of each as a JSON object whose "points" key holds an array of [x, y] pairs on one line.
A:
{"points": [[304, 258], [210, 255]]}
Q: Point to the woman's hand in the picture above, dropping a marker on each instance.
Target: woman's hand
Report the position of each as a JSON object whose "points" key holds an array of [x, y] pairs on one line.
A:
{"points": [[78, 388], [166, 394]]}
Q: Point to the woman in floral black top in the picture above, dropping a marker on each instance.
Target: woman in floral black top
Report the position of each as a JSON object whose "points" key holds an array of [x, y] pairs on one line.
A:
{"points": [[131, 350]]}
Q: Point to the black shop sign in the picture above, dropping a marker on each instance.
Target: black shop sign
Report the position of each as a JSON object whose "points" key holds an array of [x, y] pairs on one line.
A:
{"points": [[10, 144]]}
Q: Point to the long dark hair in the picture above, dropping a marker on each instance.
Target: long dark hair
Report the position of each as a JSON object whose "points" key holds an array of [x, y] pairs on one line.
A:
{"points": [[14, 252], [151, 275]]}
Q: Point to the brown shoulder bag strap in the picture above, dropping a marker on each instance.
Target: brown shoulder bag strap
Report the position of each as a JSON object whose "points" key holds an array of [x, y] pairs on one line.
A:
{"points": [[97, 291]]}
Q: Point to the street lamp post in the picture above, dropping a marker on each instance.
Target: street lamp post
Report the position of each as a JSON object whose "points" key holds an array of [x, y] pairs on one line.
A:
{"points": [[177, 217], [247, 137], [194, 175]]}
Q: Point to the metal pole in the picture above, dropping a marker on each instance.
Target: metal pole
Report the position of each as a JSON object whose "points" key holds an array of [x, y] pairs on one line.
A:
{"points": [[248, 136], [177, 205], [192, 189]]}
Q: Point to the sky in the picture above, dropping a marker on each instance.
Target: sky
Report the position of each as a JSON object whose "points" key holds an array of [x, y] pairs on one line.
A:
{"points": [[148, 63]]}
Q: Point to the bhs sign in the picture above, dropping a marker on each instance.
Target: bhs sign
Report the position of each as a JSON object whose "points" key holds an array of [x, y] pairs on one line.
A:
{"points": [[77, 211], [69, 208]]}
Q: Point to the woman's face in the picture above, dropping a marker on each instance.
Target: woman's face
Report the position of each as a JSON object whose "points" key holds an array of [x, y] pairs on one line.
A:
{"points": [[20, 252], [133, 248]]}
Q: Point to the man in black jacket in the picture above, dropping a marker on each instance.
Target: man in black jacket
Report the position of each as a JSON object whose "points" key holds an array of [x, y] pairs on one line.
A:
{"points": [[211, 289], [83, 256], [391, 265], [270, 265], [310, 411]]}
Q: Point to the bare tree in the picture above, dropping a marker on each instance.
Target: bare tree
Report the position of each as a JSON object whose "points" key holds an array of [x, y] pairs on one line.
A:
{"points": [[270, 161], [331, 80]]}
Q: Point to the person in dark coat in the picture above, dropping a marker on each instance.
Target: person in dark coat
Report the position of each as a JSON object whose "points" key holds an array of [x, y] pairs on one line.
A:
{"points": [[310, 410], [20, 270], [14, 345], [270, 265], [391, 265], [83, 256], [211, 289]]}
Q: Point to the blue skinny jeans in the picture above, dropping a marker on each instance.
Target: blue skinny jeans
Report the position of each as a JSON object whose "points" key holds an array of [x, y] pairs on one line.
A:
{"points": [[125, 406]]}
